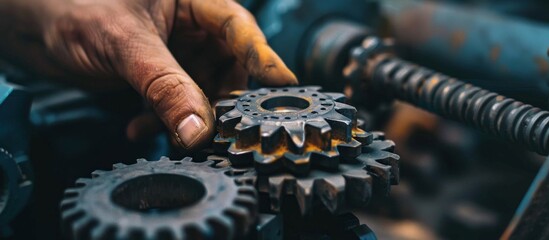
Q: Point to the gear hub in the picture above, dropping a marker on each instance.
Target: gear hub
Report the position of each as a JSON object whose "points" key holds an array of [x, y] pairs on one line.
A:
{"points": [[294, 128], [159, 200]]}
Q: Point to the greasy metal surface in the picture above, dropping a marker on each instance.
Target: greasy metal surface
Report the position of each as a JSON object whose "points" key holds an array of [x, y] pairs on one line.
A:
{"points": [[350, 185], [501, 53], [503, 117], [294, 128], [531, 219], [159, 200]]}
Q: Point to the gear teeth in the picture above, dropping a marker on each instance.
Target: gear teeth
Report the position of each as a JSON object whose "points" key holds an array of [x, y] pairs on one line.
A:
{"points": [[239, 157], [239, 215], [98, 173], [81, 182], [232, 219], [297, 164], [304, 194], [82, 227], [331, 191], [247, 133], [386, 145], [379, 135], [164, 158], [277, 189], [103, 231], [349, 151], [326, 160], [319, 133], [384, 167], [296, 136], [338, 97], [271, 138], [227, 122], [346, 110], [341, 126], [221, 226], [119, 165], [362, 136], [224, 106], [358, 187]]}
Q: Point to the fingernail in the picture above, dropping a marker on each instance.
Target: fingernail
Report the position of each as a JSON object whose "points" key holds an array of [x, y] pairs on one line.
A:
{"points": [[190, 130]]}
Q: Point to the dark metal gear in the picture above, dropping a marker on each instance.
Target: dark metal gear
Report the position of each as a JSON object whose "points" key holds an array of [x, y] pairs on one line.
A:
{"points": [[159, 200], [15, 186], [296, 128], [350, 185]]}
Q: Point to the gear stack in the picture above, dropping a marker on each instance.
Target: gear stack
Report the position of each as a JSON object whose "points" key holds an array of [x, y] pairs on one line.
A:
{"points": [[293, 128], [159, 200], [301, 142]]}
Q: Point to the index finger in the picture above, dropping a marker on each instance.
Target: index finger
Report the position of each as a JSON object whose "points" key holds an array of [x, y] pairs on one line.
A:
{"points": [[231, 22]]}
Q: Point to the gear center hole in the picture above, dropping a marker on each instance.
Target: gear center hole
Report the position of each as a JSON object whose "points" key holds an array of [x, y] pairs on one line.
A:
{"points": [[158, 193], [285, 104]]}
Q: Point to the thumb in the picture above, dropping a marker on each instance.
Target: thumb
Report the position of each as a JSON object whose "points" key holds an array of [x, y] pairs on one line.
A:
{"points": [[147, 64]]}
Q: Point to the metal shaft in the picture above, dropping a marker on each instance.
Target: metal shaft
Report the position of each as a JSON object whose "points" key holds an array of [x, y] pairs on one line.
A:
{"points": [[504, 117]]}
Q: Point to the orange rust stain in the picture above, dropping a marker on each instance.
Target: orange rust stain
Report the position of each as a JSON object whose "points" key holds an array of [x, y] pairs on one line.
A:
{"points": [[495, 52], [414, 25], [543, 65], [457, 39]]}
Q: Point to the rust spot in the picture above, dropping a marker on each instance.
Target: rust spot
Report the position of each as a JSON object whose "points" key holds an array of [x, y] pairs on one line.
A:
{"points": [[457, 39], [495, 52], [543, 65]]}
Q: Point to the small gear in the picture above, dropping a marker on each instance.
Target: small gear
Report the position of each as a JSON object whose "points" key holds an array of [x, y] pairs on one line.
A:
{"points": [[296, 128], [351, 185], [159, 200]]}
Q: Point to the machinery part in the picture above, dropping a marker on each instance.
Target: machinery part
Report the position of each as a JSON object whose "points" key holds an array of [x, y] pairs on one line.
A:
{"points": [[292, 26], [295, 128], [348, 186], [15, 170], [328, 52], [15, 187], [532, 216], [270, 227], [504, 117], [159, 200], [472, 43]]}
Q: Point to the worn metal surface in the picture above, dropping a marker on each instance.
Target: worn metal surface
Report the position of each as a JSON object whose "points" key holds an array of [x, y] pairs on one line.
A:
{"points": [[503, 117], [159, 200], [351, 184], [502, 53], [294, 128], [531, 220], [15, 171]]}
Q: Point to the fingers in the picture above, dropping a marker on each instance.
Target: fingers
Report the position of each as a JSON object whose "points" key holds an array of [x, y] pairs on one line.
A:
{"points": [[147, 64], [231, 22]]}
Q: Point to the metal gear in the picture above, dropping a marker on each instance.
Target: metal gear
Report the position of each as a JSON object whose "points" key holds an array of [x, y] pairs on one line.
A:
{"points": [[351, 185], [15, 186], [294, 128], [159, 200]]}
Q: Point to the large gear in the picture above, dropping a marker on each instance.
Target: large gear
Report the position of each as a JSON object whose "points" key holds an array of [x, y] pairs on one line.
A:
{"points": [[159, 200], [296, 128], [351, 185]]}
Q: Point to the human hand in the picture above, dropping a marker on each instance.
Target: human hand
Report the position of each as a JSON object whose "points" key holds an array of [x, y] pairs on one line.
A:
{"points": [[154, 45]]}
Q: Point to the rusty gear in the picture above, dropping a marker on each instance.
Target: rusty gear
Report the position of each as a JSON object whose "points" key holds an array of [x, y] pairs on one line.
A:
{"points": [[350, 185], [159, 200], [296, 128]]}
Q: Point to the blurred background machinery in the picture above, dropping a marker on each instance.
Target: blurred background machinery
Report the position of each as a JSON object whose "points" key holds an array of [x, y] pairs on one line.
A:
{"points": [[455, 182]]}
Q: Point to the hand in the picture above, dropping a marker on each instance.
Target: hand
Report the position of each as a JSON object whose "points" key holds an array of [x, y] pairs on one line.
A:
{"points": [[154, 45]]}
